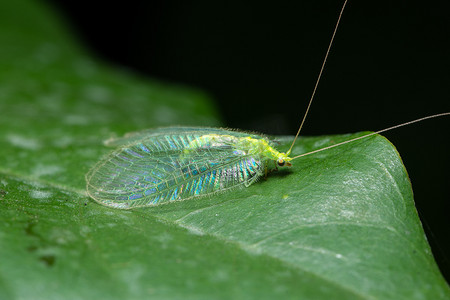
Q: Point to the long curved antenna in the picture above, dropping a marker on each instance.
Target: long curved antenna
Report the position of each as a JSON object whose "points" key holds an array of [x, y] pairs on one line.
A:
{"points": [[373, 133], [318, 77]]}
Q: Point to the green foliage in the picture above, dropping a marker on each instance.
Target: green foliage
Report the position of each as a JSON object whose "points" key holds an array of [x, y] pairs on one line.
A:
{"points": [[340, 224]]}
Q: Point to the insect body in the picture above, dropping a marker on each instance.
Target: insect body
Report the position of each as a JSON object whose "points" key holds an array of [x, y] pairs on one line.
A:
{"points": [[179, 163]]}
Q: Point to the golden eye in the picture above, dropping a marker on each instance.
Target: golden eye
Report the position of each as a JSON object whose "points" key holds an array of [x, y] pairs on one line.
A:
{"points": [[281, 162]]}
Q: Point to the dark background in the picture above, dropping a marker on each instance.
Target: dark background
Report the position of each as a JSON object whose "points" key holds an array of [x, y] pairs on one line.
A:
{"points": [[259, 60]]}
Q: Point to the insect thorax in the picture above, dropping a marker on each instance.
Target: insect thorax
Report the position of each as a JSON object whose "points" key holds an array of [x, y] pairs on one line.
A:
{"points": [[248, 145]]}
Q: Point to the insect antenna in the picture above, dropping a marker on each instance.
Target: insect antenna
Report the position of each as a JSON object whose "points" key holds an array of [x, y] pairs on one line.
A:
{"points": [[376, 132], [318, 77]]}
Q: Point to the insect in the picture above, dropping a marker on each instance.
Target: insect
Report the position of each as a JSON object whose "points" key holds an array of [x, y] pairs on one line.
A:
{"points": [[179, 163], [158, 166]]}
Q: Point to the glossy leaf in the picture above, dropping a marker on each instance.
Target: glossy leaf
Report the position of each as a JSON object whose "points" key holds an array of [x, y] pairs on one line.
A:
{"points": [[340, 224]]}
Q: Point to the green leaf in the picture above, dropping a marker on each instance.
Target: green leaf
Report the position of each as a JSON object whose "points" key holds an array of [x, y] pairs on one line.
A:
{"points": [[339, 224]]}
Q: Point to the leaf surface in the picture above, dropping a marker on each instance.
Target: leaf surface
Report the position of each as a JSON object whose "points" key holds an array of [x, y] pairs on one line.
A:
{"points": [[339, 224]]}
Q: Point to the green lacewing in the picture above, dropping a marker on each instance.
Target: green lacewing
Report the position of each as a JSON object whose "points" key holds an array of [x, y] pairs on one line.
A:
{"points": [[179, 163], [157, 166]]}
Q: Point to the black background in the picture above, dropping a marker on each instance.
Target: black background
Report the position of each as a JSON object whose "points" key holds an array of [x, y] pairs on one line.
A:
{"points": [[259, 60]]}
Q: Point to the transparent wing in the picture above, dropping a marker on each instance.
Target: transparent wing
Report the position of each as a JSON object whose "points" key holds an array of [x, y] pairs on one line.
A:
{"points": [[156, 170]]}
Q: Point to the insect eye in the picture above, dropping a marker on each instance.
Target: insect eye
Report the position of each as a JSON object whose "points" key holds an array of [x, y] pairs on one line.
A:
{"points": [[281, 162]]}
